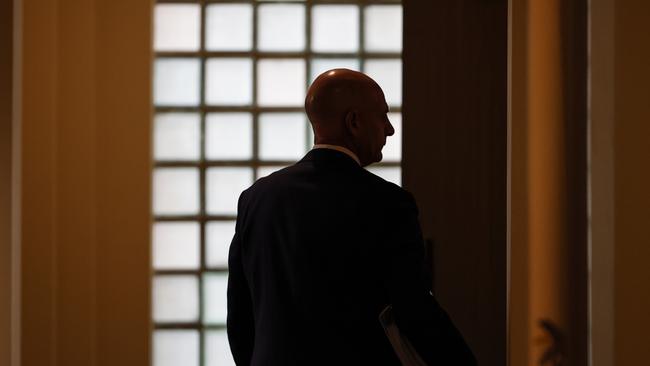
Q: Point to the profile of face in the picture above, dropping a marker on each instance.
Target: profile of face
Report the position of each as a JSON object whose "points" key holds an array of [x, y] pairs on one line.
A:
{"points": [[369, 126], [348, 108]]}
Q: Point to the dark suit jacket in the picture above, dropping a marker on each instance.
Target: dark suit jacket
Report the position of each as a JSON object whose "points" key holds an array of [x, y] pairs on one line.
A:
{"points": [[320, 248]]}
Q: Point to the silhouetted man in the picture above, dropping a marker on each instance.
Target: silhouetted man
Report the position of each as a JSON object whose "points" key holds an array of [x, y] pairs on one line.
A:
{"points": [[323, 246]]}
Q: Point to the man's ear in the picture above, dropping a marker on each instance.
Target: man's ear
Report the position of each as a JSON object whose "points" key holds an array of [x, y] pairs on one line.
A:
{"points": [[352, 122]]}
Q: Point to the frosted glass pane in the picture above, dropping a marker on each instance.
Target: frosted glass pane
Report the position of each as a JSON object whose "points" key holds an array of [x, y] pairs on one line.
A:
{"points": [[224, 185], [177, 136], [229, 27], [229, 136], [383, 28], [175, 191], [310, 137], [176, 81], [176, 245], [388, 74], [281, 27], [229, 81], [391, 174], [320, 65], [266, 170], [219, 236], [281, 82], [335, 28], [393, 149], [217, 349], [215, 308], [175, 299], [282, 136], [176, 348], [177, 27]]}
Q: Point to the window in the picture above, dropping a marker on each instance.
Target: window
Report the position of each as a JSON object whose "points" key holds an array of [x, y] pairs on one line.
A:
{"points": [[229, 85]]}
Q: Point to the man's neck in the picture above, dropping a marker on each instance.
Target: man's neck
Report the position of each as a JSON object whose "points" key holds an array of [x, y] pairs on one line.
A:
{"points": [[340, 148]]}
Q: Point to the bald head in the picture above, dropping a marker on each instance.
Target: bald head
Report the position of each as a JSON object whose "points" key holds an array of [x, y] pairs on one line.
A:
{"points": [[348, 108], [337, 91]]}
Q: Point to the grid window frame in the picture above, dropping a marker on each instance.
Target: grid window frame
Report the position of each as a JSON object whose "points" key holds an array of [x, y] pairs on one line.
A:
{"points": [[255, 163]]}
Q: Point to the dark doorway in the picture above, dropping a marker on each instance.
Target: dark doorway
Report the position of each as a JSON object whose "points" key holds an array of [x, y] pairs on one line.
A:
{"points": [[455, 157]]}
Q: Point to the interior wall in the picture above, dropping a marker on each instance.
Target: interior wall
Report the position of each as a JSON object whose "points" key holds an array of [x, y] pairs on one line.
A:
{"points": [[84, 112], [620, 201], [6, 44], [454, 157], [124, 162], [631, 181]]}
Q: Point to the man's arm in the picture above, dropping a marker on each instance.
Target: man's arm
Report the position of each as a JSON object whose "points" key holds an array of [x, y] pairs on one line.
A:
{"points": [[240, 321], [417, 313]]}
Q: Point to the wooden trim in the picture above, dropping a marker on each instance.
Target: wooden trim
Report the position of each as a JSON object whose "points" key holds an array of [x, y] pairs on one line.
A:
{"points": [[518, 302], [601, 181], [548, 300], [6, 250], [575, 53]]}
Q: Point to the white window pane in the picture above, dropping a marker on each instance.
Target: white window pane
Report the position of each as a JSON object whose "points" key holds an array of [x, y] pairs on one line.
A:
{"points": [[320, 65], [177, 136], [217, 349], [383, 28], [391, 174], [176, 348], [176, 27], [219, 235], [310, 137], [229, 81], [388, 74], [215, 307], [229, 136], [175, 191], [175, 299], [224, 185], [282, 136], [229, 27], [335, 28], [281, 82], [281, 27], [393, 149], [176, 81], [176, 245], [266, 170]]}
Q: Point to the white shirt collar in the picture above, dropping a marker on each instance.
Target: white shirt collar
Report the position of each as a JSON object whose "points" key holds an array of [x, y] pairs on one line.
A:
{"points": [[342, 149]]}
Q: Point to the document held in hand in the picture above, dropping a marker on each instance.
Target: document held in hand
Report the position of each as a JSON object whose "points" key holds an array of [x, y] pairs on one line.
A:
{"points": [[402, 346]]}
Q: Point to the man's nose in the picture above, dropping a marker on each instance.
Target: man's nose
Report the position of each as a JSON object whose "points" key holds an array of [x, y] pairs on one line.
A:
{"points": [[391, 130]]}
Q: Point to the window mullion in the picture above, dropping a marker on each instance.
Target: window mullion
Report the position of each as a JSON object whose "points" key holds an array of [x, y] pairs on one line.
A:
{"points": [[202, 188]]}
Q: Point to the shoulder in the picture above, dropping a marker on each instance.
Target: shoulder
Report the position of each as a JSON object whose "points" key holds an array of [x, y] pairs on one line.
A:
{"points": [[366, 184], [274, 180], [273, 183], [391, 194], [380, 185]]}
